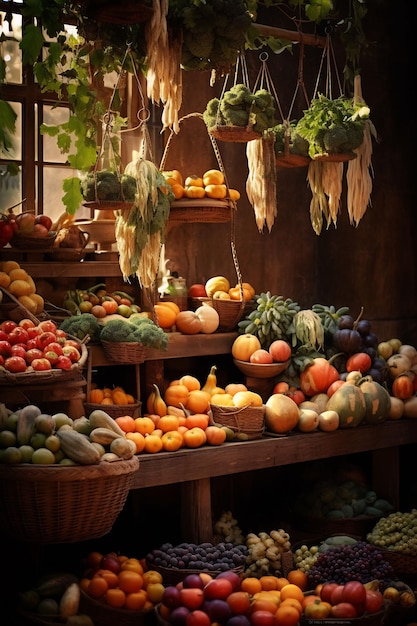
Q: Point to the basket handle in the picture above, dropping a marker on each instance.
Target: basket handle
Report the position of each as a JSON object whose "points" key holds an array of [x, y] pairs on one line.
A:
{"points": [[26, 311]]}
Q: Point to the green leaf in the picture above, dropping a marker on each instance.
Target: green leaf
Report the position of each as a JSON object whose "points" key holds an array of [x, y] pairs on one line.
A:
{"points": [[72, 198], [31, 44], [64, 142], [85, 157]]}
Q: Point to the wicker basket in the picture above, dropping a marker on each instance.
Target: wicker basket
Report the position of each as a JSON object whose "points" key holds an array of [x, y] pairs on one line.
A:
{"points": [[335, 157], [115, 410], [30, 377], [230, 313], [124, 352], [104, 615], [108, 205], [63, 504], [246, 422], [290, 160], [234, 134], [205, 210], [26, 242], [370, 619], [174, 575], [358, 526], [401, 563]]}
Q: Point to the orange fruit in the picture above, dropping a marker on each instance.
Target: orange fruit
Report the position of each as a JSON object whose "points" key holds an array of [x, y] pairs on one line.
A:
{"points": [[115, 597], [98, 587], [299, 578], [263, 604], [144, 425], [269, 582], [281, 582], [132, 564], [293, 602], [136, 600], [110, 577], [198, 401], [130, 581], [153, 444], [151, 577], [165, 315], [292, 591], [94, 559], [155, 592], [126, 423], [287, 615], [191, 382], [138, 440], [251, 585]]}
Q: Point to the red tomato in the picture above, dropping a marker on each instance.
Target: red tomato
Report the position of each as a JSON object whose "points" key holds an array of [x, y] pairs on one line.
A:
{"points": [[45, 220], [354, 592], [18, 335], [7, 326], [197, 291], [343, 609], [327, 590], [63, 363], [27, 323], [403, 387], [336, 595], [44, 339], [374, 601], [361, 361], [15, 364], [18, 349], [47, 326], [281, 387], [33, 353], [296, 394], [55, 346], [5, 348]]}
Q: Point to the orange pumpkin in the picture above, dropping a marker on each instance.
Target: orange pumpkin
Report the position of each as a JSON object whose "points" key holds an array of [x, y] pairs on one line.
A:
{"points": [[96, 396], [188, 323], [119, 397], [175, 395], [165, 315]]}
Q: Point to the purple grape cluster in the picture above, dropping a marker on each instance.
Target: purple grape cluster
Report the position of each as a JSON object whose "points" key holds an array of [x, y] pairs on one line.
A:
{"points": [[204, 556], [360, 561]]}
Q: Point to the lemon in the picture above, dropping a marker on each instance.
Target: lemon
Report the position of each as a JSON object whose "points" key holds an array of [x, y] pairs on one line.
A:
{"points": [[43, 456], [26, 451], [53, 443]]}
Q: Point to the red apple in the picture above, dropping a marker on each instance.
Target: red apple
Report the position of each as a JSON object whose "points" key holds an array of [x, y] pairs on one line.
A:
{"points": [[33, 353], [280, 350], [5, 348], [27, 323], [197, 290], [3, 335], [44, 339], [52, 356], [260, 356], [18, 335], [71, 353], [7, 326], [47, 326], [39, 230], [19, 349], [218, 588], [41, 364], [1, 360], [45, 220], [63, 363], [55, 346], [15, 364]]}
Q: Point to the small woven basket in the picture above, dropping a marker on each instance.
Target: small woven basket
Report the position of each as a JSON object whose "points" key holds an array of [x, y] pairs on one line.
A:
{"points": [[357, 526], [124, 352], [104, 615], [205, 210], [63, 504], [115, 410], [246, 422], [230, 313], [234, 134], [335, 157], [26, 242], [289, 160]]}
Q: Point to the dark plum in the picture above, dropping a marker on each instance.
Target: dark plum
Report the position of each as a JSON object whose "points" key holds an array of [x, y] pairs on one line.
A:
{"points": [[345, 321]]}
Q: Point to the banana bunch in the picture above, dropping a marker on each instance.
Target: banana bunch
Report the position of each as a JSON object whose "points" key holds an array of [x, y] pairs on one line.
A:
{"points": [[309, 329], [329, 316], [272, 319]]}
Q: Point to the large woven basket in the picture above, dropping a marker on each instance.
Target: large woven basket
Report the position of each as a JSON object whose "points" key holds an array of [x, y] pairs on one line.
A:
{"points": [[115, 410], [63, 504], [104, 615], [369, 619], [124, 352], [401, 563], [246, 422]]}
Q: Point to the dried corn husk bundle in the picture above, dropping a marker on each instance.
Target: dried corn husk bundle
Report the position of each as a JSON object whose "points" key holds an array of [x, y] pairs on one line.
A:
{"points": [[164, 75], [358, 176], [140, 229], [261, 180], [326, 181]]}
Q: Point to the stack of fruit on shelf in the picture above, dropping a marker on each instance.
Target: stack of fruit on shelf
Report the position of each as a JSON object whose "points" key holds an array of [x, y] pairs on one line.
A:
{"points": [[19, 283], [101, 303], [211, 184], [29, 347], [28, 435], [28, 227]]}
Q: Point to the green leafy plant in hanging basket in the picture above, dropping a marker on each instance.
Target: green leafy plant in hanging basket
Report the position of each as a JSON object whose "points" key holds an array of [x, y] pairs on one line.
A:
{"points": [[332, 126], [286, 138]]}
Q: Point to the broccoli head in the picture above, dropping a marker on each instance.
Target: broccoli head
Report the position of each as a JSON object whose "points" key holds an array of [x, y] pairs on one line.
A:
{"points": [[107, 185], [140, 330], [82, 326]]}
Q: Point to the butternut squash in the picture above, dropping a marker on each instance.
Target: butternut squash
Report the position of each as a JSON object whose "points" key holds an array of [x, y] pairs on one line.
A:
{"points": [[77, 447], [124, 448]]}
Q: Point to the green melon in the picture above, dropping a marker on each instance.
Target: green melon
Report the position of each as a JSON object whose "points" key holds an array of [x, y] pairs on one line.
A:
{"points": [[378, 402], [349, 402]]}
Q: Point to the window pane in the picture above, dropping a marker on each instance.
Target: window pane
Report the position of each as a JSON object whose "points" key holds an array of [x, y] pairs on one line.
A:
{"points": [[10, 49], [53, 192], [10, 190], [16, 152], [54, 117]]}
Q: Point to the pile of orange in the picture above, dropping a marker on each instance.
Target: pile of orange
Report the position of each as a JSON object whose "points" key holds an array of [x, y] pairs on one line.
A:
{"points": [[131, 587], [211, 185]]}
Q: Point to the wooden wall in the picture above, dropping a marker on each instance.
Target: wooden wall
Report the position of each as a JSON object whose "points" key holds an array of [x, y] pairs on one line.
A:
{"points": [[372, 265]]}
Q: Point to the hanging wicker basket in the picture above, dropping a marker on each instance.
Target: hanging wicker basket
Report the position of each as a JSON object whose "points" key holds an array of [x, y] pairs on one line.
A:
{"points": [[234, 134], [63, 504], [206, 210]]}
